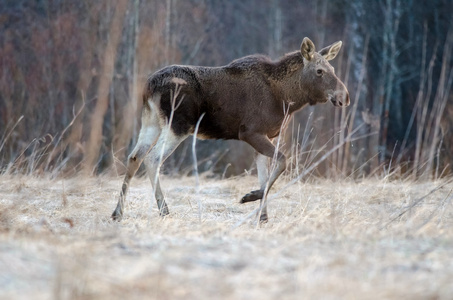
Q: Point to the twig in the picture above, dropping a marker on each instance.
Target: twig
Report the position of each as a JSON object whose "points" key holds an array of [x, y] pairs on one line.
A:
{"points": [[195, 165], [431, 216], [416, 202], [75, 115], [10, 132]]}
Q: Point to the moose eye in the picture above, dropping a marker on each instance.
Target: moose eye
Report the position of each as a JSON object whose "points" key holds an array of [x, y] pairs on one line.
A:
{"points": [[319, 72]]}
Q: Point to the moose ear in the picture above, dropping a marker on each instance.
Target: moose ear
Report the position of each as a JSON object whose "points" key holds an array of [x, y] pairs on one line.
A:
{"points": [[330, 52], [307, 48]]}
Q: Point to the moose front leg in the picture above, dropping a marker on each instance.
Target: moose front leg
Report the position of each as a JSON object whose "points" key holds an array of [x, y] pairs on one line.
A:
{"points": [[266, 150], [262, 167]]}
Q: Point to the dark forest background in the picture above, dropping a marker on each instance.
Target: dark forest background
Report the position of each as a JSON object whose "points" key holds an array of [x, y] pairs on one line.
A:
{"points": [[71, 73]]}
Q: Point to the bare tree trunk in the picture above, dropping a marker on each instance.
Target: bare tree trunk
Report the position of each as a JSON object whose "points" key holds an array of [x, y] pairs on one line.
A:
{"points": [[347, 144], [275, 37], [97, 118], [323, 15], [168, 31], [390, 33], [134, 83], [74, 139], [422, 112], [415, 108], [440, 101], [341, 120], [129, 123]]}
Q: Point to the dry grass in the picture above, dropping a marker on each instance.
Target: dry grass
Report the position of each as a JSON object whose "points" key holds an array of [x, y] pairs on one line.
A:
{"points": [[324, 240]]}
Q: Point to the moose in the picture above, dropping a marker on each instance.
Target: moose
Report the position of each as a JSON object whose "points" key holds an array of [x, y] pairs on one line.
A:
{"points": [[245, 100]]}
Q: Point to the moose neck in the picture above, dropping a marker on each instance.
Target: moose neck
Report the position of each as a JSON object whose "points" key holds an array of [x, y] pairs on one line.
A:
{"points": [[286, 77]]}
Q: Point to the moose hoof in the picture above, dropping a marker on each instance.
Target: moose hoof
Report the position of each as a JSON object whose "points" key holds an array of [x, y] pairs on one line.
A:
{"points": [[263, 219], [252, 196], [117, 216], [164, 212]]}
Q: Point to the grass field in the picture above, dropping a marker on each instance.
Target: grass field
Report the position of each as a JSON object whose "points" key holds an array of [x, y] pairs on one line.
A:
{"points": [[371, 239]]}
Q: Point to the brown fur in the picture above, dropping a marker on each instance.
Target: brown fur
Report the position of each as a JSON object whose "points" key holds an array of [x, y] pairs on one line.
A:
{"points": [[246, 100]]}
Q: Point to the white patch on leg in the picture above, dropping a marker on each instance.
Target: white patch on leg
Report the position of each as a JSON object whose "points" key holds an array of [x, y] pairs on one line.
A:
{"points": [[146, 139], [163, 148], [155, 116], [262, 167], [166, 143], [149, 132]]}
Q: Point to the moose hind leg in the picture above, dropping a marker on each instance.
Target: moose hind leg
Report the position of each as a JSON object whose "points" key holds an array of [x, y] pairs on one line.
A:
{"points": [[165, 146], [134, 161], [148, 136]]}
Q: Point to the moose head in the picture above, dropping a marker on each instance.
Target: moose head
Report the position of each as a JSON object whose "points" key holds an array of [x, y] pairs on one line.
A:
{"points": [[318, 75]]}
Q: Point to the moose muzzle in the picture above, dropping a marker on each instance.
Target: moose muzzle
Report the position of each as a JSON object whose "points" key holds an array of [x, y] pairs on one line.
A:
{"points": [[341, 96]]}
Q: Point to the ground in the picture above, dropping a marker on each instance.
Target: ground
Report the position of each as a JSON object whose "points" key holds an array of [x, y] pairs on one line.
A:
{"points": [[367, 239]]}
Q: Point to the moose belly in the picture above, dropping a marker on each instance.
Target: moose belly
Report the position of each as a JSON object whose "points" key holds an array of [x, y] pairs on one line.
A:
{"points": [[212, 127]]}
